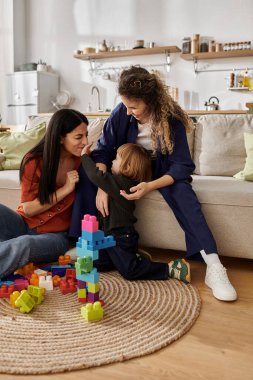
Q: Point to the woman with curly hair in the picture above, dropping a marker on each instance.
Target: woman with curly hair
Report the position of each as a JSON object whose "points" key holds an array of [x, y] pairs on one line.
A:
{"points": [[150, 117]]}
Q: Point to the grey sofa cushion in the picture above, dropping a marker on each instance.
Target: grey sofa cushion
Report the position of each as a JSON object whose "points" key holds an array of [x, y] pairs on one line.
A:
{"points": [[219, 144]]}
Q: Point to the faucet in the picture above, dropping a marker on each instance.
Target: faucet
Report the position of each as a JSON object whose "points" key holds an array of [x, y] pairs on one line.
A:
{"points": [[98, 94]]}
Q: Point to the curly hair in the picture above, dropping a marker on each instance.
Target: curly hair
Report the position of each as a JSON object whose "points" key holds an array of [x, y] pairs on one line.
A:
{"points": [[137, 83]]}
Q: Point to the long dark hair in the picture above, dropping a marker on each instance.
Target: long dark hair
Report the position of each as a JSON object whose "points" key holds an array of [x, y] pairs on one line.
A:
{"points": [[138, 83], [47, 151]]}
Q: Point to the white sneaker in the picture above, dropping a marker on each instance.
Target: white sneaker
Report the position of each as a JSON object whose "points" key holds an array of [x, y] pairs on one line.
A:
{"points": [[217, 280]]}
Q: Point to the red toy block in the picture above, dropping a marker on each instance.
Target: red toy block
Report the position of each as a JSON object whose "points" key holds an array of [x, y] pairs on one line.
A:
{"points": [[5, 290], [67, 286], [70, 273], [89, 223]]}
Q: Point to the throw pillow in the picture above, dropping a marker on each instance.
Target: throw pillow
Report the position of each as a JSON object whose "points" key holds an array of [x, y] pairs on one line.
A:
{"points": [[94, 131], [247, 173], [15, 145], [35, 120]]}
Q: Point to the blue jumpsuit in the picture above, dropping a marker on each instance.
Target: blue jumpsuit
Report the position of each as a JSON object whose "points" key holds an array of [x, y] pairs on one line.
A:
{"points": [[120, 129]]}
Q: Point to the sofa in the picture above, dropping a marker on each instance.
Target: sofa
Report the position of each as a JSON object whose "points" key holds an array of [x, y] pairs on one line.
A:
{"points": [[222, 149]]}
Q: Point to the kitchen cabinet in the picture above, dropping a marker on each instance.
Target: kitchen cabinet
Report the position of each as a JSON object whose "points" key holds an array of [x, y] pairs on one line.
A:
{"points": [[29, 93]]}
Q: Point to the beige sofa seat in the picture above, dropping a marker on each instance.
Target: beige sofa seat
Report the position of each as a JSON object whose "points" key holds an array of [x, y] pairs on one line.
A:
{"points": [[9, 188], [228, 208]]}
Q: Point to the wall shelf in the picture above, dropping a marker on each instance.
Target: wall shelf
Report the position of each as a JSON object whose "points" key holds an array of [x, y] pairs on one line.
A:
{"points": [[215, 55], [128, 53], [220, 54], [238, 88]]}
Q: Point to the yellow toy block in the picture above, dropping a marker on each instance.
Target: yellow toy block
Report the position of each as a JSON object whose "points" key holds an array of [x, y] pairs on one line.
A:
{"points": [[13, 298], [25, 302], [92, 312], [93, 288], [81, 293]]}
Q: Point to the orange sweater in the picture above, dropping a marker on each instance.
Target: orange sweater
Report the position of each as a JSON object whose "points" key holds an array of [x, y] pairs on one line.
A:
{"points": [[55, 219]]}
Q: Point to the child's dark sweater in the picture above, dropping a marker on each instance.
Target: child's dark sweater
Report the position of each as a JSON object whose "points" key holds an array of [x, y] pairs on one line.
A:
{"points": [[121, 210]]}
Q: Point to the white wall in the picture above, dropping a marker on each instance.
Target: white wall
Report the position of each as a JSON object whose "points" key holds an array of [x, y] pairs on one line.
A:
{"points": [[6, 49], [55, 28]]}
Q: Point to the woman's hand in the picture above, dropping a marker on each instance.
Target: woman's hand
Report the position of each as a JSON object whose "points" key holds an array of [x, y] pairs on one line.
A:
{"points": [[102, 202], [72, 178], [138, 191], [86, 150]]}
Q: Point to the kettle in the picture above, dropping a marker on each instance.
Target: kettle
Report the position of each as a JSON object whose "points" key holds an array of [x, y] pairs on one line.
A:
{"points": [[214, 106]]}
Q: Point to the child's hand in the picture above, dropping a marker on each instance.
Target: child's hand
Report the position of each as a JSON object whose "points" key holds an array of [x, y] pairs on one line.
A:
{"points": [[86, 150]]}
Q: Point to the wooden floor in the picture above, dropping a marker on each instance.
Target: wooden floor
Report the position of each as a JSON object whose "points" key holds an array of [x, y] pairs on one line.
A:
{"points": [[219, 346]]}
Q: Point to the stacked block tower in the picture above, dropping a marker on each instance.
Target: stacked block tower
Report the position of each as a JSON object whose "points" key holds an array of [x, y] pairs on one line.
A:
{"points": [[87, 250]]}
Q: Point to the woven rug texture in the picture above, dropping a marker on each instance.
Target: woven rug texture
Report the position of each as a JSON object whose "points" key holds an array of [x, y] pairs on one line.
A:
{"points": [[140, 317]]}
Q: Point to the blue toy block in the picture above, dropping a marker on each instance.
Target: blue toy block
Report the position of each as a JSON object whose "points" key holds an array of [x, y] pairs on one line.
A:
{"points": [[59, 270], [81, 252], [107, 242], [11, 277], [92, 277], [93, 236], [6, 283]]}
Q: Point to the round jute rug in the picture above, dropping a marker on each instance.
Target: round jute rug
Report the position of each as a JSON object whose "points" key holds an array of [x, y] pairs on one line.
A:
{"points": [[140, 317]]}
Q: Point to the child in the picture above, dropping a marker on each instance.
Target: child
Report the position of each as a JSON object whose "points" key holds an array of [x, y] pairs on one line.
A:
{"points": [[131, 166]]}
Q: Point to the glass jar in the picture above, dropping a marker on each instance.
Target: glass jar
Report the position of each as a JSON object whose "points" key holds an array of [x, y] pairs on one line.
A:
{"points": [[186, 45], [203, 46]]}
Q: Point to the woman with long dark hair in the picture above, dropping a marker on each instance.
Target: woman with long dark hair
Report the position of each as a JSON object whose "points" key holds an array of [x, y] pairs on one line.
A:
{"points": [[38, 230]]}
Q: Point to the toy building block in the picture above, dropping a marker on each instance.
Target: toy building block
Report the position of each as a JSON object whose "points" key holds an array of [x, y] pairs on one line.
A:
{"points": [[70, 273], [5, 290], [84, 265], [83, 251], [28, 268], [89, 223], [93, 288], [93, 297], [36, 293], [93, 236], [107, 242], [82, 295], [92, 312], [40, 272], [21, 284], [46, 282], [34, 280], [13, 297], [92, 277], [11, 278], [56, 280], [67, 286], [64, 260], [59, 270], [25, 302], [81, 284], [6, 283]]}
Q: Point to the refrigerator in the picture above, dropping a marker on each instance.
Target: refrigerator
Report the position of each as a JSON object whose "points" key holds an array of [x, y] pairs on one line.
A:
{"points": [[30, 93]]}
